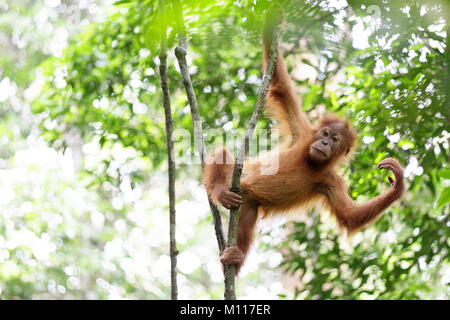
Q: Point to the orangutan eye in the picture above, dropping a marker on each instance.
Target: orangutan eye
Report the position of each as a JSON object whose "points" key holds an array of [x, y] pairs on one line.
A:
{"points": [[335, 139], [325, 133]]}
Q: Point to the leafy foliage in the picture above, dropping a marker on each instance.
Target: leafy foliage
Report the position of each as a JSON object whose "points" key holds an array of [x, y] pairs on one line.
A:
{"points": [[385, 66]]}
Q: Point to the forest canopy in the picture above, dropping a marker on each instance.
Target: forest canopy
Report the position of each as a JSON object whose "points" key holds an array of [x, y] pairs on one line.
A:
{"points": [[83, 160]]}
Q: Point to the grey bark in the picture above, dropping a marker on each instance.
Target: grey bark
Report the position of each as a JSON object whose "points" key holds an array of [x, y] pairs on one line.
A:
{"points": [[230, 270], [180, 53], [170, 152]]}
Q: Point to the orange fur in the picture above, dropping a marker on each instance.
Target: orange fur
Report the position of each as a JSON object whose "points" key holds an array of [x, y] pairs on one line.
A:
{"points": [[218, 171], [299, 182]]}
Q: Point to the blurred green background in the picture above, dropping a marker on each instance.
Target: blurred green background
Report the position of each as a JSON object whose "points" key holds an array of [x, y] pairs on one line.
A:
{"points": [[83, 172]]}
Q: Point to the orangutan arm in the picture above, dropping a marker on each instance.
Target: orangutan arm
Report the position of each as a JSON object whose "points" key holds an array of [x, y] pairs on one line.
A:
{"points": [[282, 102], [352, 216]]}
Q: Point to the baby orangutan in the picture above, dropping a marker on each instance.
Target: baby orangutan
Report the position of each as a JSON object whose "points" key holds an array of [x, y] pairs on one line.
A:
{"points": [[308, 160]]}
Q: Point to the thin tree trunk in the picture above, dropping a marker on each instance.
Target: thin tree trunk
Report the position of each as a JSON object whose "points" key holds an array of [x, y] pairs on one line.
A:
{"points": [[170, 151], [447, 77], [180, 53], [230, 271]]}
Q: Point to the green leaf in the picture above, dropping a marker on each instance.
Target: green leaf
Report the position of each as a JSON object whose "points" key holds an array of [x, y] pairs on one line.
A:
{"points": [[445, 173], [406, 144], [445, 198]]}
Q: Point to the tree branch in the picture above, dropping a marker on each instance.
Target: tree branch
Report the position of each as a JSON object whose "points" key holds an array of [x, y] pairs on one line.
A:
{"points": [[230, 271], [180, 53], [170, 151]]}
